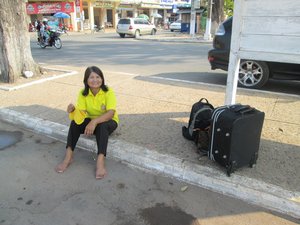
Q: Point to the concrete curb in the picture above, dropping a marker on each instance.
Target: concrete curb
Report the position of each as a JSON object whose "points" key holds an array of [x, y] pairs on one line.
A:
{"points": [[174, 39], [247, 189], [64, 74]]}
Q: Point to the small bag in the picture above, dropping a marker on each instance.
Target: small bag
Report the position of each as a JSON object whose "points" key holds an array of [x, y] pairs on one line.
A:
{"points": [[202, 138], [199, 123]]}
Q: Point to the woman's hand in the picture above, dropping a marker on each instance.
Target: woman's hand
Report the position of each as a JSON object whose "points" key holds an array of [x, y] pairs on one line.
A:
{"points": [[70, 108], [89, 129]]}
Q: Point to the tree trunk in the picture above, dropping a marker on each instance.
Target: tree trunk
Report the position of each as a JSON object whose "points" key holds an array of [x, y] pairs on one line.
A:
{"points": [[217, 14], [15, 52]]}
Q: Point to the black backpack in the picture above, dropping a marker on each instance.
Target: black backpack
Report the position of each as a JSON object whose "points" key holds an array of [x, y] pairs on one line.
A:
{"points": [[199, 124]]}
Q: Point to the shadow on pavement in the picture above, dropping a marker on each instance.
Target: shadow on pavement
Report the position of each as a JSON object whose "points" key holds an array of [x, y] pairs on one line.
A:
{"points": [[33, 193], [180, 79], [278, 163]]}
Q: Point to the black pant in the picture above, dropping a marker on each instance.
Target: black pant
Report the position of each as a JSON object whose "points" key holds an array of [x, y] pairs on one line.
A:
{"points": [[102, 131]]}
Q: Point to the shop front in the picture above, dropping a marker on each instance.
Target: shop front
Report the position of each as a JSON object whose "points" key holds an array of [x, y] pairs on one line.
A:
{"points": [[84, 14], [39, 10], [128, 8], [102, 14], [156, 10]]}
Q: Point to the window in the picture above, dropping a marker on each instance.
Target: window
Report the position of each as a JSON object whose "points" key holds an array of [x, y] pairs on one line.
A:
{"points": [[124, 21]]}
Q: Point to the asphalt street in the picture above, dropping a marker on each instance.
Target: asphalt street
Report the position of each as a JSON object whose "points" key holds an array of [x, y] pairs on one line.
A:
{"points": [[174, 59], [32, 193]]}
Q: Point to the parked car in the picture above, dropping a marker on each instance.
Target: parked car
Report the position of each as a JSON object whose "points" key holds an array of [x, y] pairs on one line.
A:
{"points": [[175, 25], [135, 27], [252, 74]]}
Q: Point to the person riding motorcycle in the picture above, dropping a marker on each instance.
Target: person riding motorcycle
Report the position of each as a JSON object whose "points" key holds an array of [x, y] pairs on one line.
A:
{"points": [[45, 31], [47, 36]]}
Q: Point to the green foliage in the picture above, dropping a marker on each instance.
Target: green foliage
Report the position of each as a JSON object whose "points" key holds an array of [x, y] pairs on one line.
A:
{"points": [[228, 7]]}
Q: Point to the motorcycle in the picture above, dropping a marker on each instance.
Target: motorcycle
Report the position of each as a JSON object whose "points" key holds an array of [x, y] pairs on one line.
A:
{"points": [[98, 29], [54, 40]]}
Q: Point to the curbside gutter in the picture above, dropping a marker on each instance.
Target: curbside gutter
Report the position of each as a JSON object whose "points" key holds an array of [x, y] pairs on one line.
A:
{"points": [[247, 189]]}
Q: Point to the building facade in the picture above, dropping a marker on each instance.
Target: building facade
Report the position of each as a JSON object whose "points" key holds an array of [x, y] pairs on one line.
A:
{"points": [[86, 14]]}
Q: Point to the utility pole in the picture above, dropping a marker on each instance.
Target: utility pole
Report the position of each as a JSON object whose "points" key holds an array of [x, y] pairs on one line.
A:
{"points": [[207, 35], [195, 4], [193, 18]]}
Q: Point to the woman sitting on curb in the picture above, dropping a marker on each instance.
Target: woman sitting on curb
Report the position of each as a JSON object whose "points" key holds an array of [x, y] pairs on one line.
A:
{"points": [[95, 113]]}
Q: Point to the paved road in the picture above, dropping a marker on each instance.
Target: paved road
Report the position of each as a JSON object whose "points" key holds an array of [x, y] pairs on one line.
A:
{"points": [[127, 55], [32, 193], [184, 62]]}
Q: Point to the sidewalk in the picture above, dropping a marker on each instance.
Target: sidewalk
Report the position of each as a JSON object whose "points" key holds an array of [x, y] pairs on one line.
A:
{"points": [[152, 113], [167, 36], [161, 35]]}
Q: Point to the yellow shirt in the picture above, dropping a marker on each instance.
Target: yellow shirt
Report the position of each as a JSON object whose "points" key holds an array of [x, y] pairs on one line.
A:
{"points": [[97, 105]]}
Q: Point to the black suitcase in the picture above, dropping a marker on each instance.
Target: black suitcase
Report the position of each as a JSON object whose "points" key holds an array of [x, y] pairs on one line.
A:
{"points": [[235, 136]]}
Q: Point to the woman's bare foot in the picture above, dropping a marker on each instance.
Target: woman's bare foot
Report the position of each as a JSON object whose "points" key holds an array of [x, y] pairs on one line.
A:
{"points": [[60, 168], [100, 168]]}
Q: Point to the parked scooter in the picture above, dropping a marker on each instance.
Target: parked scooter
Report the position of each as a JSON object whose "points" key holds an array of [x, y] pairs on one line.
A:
{"points": [[98, 29], [54, 40]]}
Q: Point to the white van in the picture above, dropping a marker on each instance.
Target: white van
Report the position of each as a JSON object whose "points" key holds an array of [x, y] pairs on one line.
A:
{"points": [[135, 27]]}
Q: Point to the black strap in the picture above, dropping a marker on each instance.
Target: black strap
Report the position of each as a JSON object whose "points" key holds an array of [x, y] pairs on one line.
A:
{"points": [[202, 99]]}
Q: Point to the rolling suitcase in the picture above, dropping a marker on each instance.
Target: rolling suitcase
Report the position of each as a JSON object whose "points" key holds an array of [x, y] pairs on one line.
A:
{"points": [[235, 136]]}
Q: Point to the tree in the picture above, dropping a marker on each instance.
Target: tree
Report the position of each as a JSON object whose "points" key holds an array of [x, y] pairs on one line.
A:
{"points": [[218, 15], [15, 52], [228, 7]]}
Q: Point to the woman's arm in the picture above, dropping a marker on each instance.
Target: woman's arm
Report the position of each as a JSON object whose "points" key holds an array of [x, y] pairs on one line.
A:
{"points": [[105, 117], [94, 122]]}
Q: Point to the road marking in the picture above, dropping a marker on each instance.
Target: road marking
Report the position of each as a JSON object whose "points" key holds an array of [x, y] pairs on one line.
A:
{"points": [[66, 73]]}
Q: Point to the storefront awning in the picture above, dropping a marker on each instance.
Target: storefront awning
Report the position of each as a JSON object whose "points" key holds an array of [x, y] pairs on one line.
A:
{"points": [[185, 11], [155, 6]]}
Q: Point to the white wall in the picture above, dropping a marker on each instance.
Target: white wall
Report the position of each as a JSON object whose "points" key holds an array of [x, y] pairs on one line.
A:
{"points": [[266, 30], [270, 30]]}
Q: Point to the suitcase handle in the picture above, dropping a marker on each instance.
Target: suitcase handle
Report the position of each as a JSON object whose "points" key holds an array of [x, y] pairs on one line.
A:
{"points": [[247, 110], [243, 109], [202, 99]]}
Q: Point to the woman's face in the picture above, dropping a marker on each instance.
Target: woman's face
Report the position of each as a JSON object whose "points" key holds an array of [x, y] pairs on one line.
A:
{"points": [[94, 80]]}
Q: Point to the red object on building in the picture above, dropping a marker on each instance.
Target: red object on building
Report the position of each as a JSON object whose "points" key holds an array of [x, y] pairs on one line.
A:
{"points": [[70, 27], [78, 4], [47, 8]]}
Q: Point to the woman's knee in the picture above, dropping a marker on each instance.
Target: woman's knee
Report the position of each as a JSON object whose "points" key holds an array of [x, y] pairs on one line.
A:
{"points": [[102, 127], [108, 126]]}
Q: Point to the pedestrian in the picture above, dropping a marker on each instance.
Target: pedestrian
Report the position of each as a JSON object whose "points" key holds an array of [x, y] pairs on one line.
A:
{"points": [[95, 113], [38, 30]]}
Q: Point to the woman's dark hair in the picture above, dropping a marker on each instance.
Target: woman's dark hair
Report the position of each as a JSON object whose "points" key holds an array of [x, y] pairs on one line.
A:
{"points": [[87, 74]]}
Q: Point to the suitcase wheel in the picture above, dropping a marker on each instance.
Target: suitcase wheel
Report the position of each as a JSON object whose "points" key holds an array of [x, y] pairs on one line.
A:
{"points": [[230, 168], [253, 160]]}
